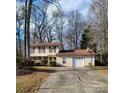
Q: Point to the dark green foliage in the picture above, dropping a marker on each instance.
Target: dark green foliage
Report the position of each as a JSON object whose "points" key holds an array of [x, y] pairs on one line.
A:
{"points": [[93, 47], [102, 57], [85, 40], [44, 62], [37, 64], [105, 58], [53, 63]]}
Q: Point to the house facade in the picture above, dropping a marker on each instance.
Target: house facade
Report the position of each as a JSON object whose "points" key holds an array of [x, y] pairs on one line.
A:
{"points": [[44, 51], [51, 52]]}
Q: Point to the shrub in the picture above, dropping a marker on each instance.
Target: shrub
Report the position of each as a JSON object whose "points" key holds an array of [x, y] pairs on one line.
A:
{"points": [[37, 64], [44, 62], [26, 62], [53, 64], [101, 59], [98, 63]]}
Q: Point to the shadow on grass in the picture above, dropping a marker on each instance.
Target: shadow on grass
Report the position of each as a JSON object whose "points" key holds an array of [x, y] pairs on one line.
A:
{"points": [[100, 67], [29, 70]]}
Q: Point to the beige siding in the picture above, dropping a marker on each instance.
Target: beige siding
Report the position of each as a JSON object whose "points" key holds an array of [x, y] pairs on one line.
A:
{"points": [[68, 61], [59, 60], [87, 61], [37, 61], [36, 53], [93, 61]]}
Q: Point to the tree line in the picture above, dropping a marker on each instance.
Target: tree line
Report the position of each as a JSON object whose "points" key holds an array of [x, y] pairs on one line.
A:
{"points": [[40, 21]]}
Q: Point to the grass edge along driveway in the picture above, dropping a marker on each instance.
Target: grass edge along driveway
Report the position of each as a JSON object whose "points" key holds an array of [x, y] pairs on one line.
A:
{"points": [[29, 83]]}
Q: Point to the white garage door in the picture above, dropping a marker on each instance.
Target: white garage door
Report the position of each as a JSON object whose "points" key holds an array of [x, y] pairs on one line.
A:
{"points": [[78, 62]]}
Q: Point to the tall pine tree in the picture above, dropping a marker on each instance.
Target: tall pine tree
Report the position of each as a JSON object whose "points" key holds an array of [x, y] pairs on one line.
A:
{"points": [[85, 39]]}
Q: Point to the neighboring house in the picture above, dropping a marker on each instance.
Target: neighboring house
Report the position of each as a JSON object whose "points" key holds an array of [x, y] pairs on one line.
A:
{"points": [[70, 58]]}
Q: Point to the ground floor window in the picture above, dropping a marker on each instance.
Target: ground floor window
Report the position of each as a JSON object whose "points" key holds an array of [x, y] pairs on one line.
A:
{"points": [[52, 59], [44, 58], [64, 60], [37, 58]]}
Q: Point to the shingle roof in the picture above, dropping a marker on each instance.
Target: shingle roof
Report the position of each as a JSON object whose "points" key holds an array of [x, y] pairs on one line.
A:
{"points": [[79, 52], [45, 44]]}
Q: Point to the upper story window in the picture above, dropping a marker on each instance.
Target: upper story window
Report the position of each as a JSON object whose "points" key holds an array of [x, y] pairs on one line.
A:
{"points": [[41, 49], [52, 49], [33, 50]]}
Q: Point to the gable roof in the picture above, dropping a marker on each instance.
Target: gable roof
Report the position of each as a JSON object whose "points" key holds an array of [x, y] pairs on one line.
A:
{"points": [[79, 52], [45, 44]]}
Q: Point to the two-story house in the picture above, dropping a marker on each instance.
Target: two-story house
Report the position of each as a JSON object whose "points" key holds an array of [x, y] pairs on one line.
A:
{"points": [[70, 58], [45, 51]]}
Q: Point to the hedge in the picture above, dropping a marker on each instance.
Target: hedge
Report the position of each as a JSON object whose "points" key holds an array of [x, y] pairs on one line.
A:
{"points": [[53, 63]]}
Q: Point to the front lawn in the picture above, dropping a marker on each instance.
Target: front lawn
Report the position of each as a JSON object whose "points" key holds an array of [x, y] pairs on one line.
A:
{"points": [[30, 80], [30, 83], [102, 69]]}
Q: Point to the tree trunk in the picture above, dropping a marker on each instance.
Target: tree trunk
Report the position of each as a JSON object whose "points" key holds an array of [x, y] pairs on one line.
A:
{"points": [[27, 28], [61, 38], [19, 41]]}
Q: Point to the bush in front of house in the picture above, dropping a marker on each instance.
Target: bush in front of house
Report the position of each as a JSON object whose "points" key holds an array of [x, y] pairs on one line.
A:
{"points": [[53, 63], [37, 64], [26, 62], [44, 62]]}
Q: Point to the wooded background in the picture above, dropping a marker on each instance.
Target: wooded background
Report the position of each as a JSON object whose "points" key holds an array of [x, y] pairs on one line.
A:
{"points": [[37, 22]]}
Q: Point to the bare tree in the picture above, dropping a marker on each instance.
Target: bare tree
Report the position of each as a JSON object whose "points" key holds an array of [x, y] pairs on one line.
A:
{"points": [[75, 28], [19, 24], [59, 26], [98, 19], [44, 29], [44, 24]]}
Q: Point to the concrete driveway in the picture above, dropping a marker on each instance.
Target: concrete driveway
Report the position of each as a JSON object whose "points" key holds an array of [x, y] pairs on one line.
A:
{"points": [[75, 80]]}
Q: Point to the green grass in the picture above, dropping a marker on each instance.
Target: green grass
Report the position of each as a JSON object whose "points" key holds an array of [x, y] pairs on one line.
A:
{"points": [[41, 67]]}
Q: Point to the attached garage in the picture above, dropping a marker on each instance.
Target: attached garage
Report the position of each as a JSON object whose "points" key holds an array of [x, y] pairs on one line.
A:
{"points": [[76, 58]]}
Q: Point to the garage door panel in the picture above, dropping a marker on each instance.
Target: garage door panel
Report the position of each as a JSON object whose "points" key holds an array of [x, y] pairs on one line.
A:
{"points": [[78, 62]]}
